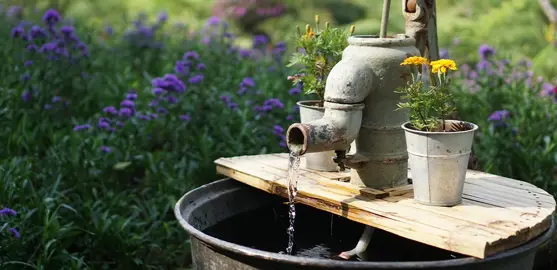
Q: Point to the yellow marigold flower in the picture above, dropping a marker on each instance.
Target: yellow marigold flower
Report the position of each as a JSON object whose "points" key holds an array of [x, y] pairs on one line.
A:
{"points": [[443, 65], [414, 60]]}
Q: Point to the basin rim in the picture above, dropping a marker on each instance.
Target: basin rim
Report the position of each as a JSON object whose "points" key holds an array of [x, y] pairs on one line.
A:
{"points": [[229, 247]]}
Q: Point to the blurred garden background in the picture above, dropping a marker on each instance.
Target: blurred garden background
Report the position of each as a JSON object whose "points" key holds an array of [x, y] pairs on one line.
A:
{"points": [[112, 110]]}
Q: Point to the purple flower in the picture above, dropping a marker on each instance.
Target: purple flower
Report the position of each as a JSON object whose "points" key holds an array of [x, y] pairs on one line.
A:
{"points": [[26, 96], [163, 16], [279, 48], [32, 48], [185, 117], [162, 110], [247, 82], [25, 77], [7, 212], [197, 79], [37, 32], [225, 98], [191, 55], [126, 112], [486, 51], [144, 117], [153, 103], [49, 47], [212, 21], [170, 82], [17, 31], [182, 67], [153, 115], [295, 91], [67, 30], [47, 106], [28, 63], [81, 127], [172, 99], [260, 40], [127, 103], [484, 65], [131, 96], [106, 149], [56, 99], [278, 130], [157, 91], [245, 53], [109, 30], [51, 17], [289, 117], [201, 66], [499, 115], [547, 89], [15, 233], [232, 106], [110, 110], [276, 103], [103, 125], [444, 54]]}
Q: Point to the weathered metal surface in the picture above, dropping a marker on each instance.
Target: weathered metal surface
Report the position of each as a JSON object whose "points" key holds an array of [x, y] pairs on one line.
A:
{"points": [[380, 157], [320, 161], [335, 131], [367, 76], [421, 24], [439, 161], [212, 203]]}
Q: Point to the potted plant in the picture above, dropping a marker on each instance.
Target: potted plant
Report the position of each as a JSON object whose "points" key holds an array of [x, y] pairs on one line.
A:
{"points": [[318, 51], [438, 147]]}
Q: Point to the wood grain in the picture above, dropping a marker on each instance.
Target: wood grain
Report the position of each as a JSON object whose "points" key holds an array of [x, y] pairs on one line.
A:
{"points": [[496, 214]]}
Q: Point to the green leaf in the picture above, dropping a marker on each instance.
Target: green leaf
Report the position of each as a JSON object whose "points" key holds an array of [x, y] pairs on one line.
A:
{"points": [[121, 165]]}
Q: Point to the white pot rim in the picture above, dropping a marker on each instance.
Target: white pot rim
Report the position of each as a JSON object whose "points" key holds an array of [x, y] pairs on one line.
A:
{"points": [[473, 129]]}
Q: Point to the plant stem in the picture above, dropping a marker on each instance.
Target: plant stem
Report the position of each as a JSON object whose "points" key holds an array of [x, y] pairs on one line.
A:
{"points": [[423, 118]]}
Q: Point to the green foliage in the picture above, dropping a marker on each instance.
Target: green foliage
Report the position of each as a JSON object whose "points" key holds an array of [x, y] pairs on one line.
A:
{"points": [[517, 135], [102, 197], [321, 51], [429, 104]]}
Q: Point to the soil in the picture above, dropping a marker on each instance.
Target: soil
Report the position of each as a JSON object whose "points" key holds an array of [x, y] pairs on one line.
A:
{"points": [[455, 127]]}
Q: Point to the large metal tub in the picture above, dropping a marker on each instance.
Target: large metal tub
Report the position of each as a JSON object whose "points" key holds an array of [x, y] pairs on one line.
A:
{"points": [[210, 204]]}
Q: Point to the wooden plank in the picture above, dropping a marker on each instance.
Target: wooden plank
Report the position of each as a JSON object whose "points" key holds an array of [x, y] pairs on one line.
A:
{"points": [[366, 192], [495, 215]]}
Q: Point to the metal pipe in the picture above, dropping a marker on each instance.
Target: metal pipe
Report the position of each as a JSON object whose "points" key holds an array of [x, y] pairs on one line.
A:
{"points": [[362, 245], [385, 18]]}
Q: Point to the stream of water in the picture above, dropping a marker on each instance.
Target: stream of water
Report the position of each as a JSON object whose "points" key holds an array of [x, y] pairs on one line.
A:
{"points": [[293, 169]]}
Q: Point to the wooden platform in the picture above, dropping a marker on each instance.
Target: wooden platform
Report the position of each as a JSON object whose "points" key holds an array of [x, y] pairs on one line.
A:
{"points": [[497, 213]]}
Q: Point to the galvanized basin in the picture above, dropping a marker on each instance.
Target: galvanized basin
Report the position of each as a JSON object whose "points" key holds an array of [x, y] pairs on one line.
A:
{"points": [[213, 203]]}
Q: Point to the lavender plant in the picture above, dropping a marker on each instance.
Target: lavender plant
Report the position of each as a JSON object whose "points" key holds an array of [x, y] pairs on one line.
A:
{"points": [[519, 113], [94, 185]]}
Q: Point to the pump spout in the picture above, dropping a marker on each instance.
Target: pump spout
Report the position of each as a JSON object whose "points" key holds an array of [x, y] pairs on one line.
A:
{"points": [[337, 129], [347, 86]]}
